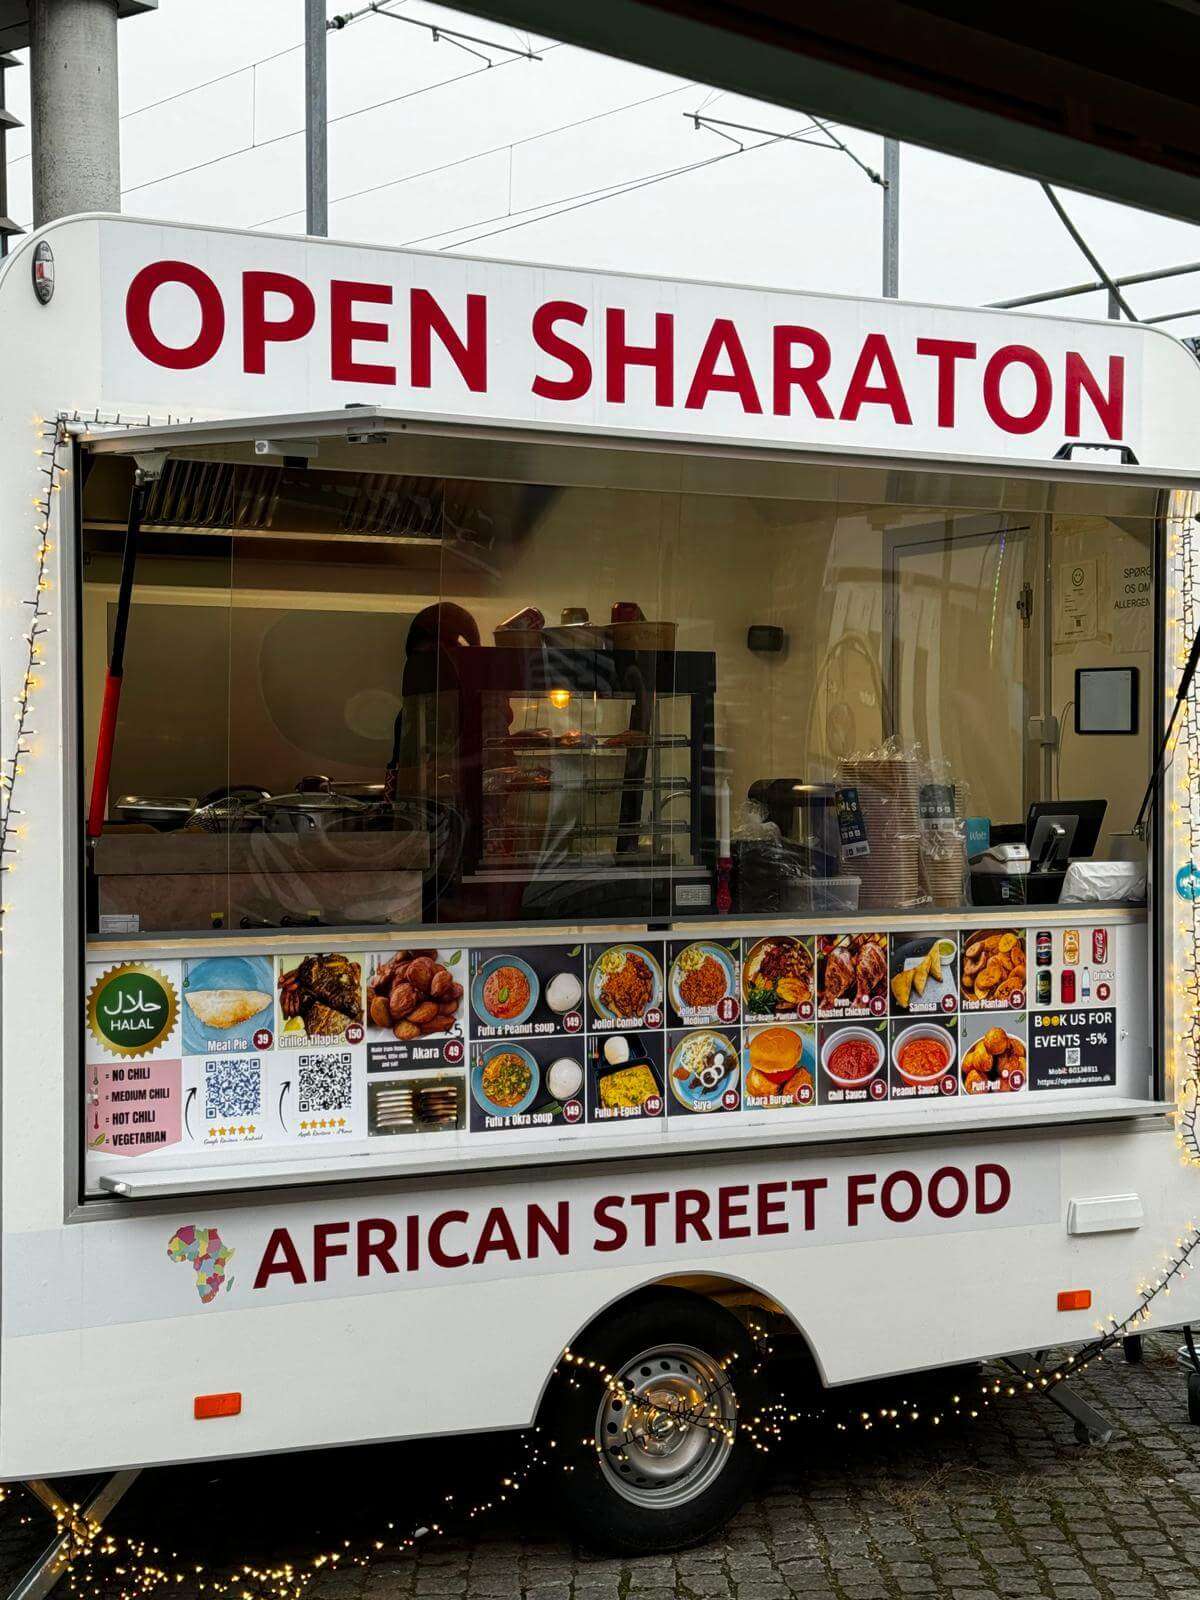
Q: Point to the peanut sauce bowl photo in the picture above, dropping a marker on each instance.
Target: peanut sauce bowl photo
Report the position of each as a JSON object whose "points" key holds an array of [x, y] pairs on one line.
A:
{"points": [[924, 1054], [851, 1067]]}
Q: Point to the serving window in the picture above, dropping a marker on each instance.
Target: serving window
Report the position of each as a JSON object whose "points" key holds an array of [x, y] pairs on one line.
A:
{"points": [[548, 799], [357, 699]]}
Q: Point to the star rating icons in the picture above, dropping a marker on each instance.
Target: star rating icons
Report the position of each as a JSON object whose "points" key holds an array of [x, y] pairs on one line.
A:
{"points": [[235, 1130], [323, 1125]]}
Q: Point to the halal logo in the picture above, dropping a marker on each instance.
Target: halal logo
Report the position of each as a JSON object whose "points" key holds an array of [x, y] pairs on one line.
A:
{"points": [[132, 1009]]}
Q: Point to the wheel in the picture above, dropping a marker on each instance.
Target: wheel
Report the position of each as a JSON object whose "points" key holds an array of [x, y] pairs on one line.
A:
{"points": [[654, 1440], [1193, 1396]]}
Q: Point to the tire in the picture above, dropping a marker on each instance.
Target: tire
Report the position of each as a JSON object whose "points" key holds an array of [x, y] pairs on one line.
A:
{"points": [[660, 1483]]}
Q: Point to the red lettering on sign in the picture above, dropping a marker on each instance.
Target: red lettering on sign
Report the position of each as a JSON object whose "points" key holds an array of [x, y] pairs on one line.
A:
{"points": [[1011, 355], [376, 1239], [1109, 408], [345, 328], [258, 330], [984, 1206], [946, 352], [650, 1204], [732, 1207], [280, 1256], [604, 1218], [889, 391], [723, 341], [958, 1203], [324, 1248], [571, 356], [469, 355], [437, 1253], [659, 356], [808, 1187], [806, 378], [557, 1230], [179, 358], [858, 1195], [892, 1210], [496, 1237], [768, 1207], [691, 1209]]}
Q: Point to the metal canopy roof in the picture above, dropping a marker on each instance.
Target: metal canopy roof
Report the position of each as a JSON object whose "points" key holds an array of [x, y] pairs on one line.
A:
{"points": [[1079, 95]]}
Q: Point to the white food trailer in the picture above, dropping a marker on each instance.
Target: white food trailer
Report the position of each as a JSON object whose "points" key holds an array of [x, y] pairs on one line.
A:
{"points": [[535, 818]]}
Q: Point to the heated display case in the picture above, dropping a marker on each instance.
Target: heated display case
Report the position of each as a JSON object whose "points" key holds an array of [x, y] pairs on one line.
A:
{"points": [[584, 777]]}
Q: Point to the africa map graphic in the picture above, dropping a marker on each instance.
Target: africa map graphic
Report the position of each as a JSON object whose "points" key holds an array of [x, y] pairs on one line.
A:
{"points": [[209, 1257]]}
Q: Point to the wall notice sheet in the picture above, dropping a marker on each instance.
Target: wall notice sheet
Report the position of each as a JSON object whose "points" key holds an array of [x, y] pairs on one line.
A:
{"points": [[459, 1045]]}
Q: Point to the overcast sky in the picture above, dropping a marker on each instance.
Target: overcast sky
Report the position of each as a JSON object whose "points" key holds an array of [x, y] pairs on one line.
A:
{"points": [[428, 146]]}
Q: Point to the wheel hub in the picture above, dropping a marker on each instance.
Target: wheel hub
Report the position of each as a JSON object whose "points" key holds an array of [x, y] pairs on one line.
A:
{"points": [[665, 1426]]}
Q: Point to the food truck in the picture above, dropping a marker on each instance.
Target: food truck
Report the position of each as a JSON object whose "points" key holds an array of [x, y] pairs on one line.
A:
{"points": [[550, 811]]}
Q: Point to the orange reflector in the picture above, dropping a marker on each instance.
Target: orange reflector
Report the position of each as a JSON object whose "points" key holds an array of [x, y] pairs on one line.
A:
{"points": [[217, 1405], [1074, 1299]]}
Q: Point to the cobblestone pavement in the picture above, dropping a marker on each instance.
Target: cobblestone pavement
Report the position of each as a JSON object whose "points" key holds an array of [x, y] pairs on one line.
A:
{"points": [[1006, 1506]]}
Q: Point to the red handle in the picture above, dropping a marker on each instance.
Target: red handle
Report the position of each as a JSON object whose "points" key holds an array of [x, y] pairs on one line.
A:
{"points": [[104, 750]]}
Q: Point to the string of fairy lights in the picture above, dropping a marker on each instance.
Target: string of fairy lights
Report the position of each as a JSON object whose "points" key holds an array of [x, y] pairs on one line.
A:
{"points": [[101, 1564], [50, 441]]}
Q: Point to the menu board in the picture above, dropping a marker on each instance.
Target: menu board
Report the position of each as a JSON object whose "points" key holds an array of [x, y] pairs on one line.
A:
{"points": [[457, 1044]]}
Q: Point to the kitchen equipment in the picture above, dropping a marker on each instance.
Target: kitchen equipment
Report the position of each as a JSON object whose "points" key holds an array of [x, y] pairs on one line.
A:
{"points": [[806, 816], [161, 811], [586, 778]]}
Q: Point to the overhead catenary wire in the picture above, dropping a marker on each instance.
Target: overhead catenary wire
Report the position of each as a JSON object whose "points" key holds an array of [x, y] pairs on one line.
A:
{"points": [[595, 197], [344, 116], [480, 155]]}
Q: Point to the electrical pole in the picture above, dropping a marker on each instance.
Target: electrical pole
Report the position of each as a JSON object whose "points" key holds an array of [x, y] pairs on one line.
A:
{"points": [[75, 121], [891, 218], [316, 130]]}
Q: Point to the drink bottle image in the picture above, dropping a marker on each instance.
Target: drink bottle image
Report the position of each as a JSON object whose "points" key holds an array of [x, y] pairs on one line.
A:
{"points": [[1068, 987], [1070, 947], [1043, 948], [1085, 984], [1044, 987]]}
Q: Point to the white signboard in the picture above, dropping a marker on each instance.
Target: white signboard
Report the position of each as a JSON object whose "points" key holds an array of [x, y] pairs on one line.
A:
{"points": [[199, 322]]}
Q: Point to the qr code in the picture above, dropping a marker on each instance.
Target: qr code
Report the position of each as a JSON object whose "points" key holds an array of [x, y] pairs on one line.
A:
{"points": [[232, 1087], [324, 1082]]}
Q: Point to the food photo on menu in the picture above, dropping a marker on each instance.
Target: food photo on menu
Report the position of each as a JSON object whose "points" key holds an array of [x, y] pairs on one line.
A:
{"points": [[993, 973], [924, 1059], [853, 1060], [534, 990], [703, 1071], [422, 1103], [852, 975], [778, 980], [532, 1083], [702, 981], [993, 1055], [228, 1004], [625, 987], [625, 1076], [320, 1000], [415, 1008], [924, 969], [779, 1066]]}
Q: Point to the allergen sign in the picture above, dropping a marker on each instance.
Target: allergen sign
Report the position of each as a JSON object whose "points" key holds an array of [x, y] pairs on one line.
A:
{"points": [[1073, 1049]]}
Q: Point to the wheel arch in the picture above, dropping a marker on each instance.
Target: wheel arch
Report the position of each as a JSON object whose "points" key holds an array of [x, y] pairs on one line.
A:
{"points": [[743, 1298]]}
